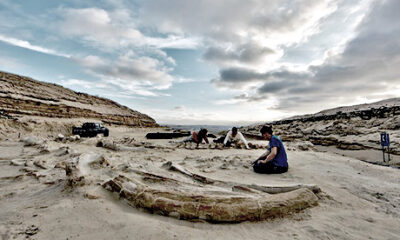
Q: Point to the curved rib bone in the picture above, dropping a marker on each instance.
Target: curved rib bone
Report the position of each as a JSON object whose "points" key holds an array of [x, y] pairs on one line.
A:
{"points": [[213, 208], [268, 189]]}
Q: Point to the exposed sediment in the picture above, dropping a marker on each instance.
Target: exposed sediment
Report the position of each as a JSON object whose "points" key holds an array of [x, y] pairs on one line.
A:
{"points": [[23, 96], [167, 189], [348, 128]]}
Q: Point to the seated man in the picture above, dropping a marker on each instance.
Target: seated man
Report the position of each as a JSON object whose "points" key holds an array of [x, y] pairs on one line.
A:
{"points": [[197, 137], [274, 160], [234, 137]]}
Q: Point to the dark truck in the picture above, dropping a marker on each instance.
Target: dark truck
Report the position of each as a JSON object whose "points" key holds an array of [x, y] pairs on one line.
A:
{"points": [[90, 130]]}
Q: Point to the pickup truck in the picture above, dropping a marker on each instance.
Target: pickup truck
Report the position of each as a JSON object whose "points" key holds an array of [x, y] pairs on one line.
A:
{"points": [[90, 130]]}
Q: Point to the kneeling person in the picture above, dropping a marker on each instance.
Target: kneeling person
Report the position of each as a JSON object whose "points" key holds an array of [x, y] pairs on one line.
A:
{"points": [[234, 137], [275, 159]]}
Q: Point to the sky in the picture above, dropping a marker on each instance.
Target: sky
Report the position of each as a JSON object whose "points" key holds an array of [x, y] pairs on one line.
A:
{"points": [[209, 62]]}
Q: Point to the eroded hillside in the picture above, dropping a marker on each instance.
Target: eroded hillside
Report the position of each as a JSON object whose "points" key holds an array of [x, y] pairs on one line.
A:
{"points": [[349, 128], [22, 96]]}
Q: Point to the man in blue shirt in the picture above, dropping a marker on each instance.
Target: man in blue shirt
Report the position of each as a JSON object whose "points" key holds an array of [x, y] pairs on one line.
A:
{"points": [[274, 160]]}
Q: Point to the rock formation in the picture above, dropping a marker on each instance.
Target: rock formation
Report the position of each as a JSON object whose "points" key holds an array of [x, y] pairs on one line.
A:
{"points": [[23, 96], [349, 128]]}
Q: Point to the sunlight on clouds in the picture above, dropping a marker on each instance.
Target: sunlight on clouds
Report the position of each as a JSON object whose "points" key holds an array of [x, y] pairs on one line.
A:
{"points": [[265, 57], [112, 88], [94, 25], [130, 71], [173, 41], [98, 26]]}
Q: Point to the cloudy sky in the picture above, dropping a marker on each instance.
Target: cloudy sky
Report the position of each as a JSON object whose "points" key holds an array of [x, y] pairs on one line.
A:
{"points": [[208, 61]]}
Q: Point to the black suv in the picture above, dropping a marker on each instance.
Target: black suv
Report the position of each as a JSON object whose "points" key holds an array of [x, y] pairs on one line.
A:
{"points": [[90, 130]]}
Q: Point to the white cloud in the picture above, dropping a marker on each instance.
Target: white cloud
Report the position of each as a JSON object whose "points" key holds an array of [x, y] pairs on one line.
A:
{"points": [[92, 61], [364, 66], [231, 101], [111, 88], [141, 67], [173, 41], [136, 74], [95, 26], [114, 30], [242, 34], [293, 51], [27, 45], [83, 83], [250, 54]]}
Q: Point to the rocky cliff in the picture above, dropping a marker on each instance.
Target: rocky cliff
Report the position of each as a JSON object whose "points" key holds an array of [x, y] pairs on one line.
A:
{"points": [[22, 96], [349, 128]]}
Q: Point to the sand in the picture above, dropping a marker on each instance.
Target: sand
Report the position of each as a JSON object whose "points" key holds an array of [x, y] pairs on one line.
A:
{"points": [[359, 200]]}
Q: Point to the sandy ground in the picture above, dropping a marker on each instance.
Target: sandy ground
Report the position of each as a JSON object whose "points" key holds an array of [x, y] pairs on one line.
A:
{"points": [[370, 156], [361, 200]]}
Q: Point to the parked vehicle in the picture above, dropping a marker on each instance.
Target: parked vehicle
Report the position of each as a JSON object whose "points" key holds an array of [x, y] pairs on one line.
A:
{"points": [[90, 130]]}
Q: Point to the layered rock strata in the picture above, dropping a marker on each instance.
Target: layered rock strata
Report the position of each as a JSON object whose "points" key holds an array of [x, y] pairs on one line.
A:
{"points": [[23, 96], [348, 128]]}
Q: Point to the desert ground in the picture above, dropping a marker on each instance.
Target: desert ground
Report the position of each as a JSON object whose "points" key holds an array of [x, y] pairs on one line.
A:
{"points": [[39, 200]]}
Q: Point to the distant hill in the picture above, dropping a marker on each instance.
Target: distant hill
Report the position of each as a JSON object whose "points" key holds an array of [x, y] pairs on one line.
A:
{"points": [[355, 127], [367, 110], [22, 96]]}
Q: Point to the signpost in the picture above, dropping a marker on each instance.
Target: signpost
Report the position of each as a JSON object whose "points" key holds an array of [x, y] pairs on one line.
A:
{"points": [[385, 143]]}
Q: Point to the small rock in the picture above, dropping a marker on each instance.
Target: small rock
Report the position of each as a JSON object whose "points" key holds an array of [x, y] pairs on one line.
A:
{"points": [[61, 165], [371, 220], [224, 166], [17, 162], [31, 230], [74, 138], [40, 164], [91, 196]]}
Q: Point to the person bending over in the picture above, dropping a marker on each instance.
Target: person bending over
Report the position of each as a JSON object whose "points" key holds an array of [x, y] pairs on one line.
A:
{"points": [[274, 160], [234, 137], [198, 137]]}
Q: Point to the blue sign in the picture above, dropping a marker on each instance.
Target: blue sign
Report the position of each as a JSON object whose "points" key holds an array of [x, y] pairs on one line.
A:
{"points": [[385, 141]]}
